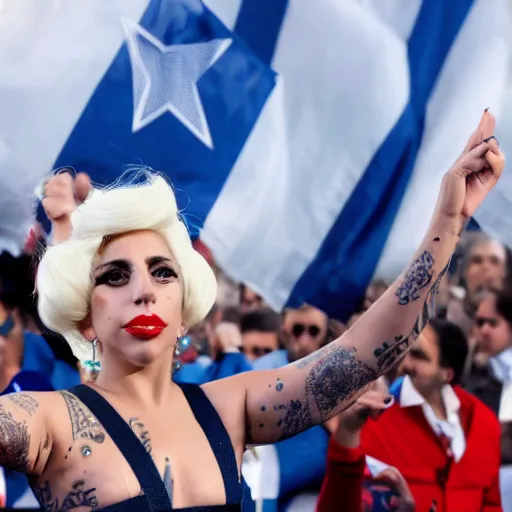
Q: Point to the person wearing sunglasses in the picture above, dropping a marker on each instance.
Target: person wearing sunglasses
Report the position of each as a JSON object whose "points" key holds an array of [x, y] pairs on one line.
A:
{"points": [[306, 329], [260, 333]]}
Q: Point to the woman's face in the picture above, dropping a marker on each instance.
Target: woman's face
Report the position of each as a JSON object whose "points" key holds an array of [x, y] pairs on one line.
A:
{"points": [[492, 331], [136, 303]]}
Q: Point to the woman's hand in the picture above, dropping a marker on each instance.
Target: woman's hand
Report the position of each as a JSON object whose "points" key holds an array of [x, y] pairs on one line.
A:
{"points": [[62, 195], [473, 175]]}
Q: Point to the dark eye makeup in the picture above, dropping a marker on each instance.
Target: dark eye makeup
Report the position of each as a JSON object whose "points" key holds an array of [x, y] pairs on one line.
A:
{"points": [[118, 272]]}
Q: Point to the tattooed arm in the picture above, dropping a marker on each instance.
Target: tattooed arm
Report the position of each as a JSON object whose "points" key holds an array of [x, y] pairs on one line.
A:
{"points": [[281, 403], [25, 440]]}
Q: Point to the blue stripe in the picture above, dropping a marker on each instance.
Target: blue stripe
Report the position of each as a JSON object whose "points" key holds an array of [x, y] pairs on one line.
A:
{"points": [[336, 279], [259, 23]]}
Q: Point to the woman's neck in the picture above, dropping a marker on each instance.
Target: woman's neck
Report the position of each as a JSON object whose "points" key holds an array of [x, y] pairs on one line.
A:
{"points": [[140, 386]]}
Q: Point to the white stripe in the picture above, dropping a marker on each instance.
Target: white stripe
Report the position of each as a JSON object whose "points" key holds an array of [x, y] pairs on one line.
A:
{"points": [[52, 55], [475, 76], [344, 82], [398, 15], [226, 10]]}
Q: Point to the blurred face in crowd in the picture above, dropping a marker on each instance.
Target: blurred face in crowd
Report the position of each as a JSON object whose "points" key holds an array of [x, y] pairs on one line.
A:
{"points": [[492, 331], [202, 337], [422, 364], [11, 345], [486, 267], [249, 300], [258, 343], [306, 331], [373, 293]]}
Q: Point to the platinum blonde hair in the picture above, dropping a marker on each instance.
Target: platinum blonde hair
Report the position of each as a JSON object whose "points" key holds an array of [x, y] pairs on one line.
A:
{"points": [[64, 278]]}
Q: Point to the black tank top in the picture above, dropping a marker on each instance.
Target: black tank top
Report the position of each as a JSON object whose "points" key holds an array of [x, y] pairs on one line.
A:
{"points": [[155, 497]]}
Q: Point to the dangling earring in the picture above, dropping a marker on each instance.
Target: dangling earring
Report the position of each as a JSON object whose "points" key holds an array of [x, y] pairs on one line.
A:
{"points": [[93, 365], [182, 344]]}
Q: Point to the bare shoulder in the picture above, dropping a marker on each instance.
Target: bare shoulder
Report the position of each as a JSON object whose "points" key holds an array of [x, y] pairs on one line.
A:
{"points": [[42, 423]]}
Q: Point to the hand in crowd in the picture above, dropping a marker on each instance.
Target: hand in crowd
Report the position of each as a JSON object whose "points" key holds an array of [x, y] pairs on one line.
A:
{"points": [[62, 195], [346, 427], [405, 501], [228, 337]]}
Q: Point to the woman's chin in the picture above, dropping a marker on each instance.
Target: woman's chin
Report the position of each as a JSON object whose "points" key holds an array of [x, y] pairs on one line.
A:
{"points": [[145, 354]]}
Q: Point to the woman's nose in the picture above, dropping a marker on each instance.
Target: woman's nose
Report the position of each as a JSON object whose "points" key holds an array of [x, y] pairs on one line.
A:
{"points": [[143, 290], [146, 298]]}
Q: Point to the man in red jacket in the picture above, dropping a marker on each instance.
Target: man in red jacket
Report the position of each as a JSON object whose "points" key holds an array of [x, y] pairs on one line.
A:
{"points": [[444, 441]]}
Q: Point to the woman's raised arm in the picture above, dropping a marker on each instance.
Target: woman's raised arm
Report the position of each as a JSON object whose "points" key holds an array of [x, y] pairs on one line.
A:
{"points": [[281, 403]]}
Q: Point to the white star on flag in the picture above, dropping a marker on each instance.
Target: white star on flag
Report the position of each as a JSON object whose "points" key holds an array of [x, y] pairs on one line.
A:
{"points": [[165, 78]]}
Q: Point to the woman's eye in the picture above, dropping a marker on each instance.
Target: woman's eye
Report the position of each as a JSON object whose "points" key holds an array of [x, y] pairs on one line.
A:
{"points": [[164, 273], [113, 278]]}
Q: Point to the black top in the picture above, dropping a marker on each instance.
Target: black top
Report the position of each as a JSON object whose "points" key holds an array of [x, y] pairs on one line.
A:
{"points": [[155, 497]]}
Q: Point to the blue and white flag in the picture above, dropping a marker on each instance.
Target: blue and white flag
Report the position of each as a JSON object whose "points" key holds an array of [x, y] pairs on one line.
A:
{"points": [[307, 138]]}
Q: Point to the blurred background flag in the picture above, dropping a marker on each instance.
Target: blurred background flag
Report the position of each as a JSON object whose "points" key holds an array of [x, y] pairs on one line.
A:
{"points": [[307, 140]]}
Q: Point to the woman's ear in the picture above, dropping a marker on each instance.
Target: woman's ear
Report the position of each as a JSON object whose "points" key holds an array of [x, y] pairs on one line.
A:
{"points": [[86, 329]]}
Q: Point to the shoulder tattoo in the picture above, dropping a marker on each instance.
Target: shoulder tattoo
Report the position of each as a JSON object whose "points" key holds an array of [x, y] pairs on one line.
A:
{"points": [[24, 400], [84, 424]]}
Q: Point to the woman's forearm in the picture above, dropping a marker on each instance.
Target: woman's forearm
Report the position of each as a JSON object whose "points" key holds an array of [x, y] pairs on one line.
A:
{"points": [[385, 332]]}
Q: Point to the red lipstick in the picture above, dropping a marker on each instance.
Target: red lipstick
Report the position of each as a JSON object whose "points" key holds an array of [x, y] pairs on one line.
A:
{"points": [[145, 327]]}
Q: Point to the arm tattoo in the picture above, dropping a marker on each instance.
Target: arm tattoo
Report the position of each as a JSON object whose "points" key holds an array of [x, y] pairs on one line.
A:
{"points": [[429, 307], [296, 419], [417, 277], [77, 497], [141, 432], [390, 353], [14, 442], [305, 361], [335, 378], [25, 401], [83, 423]]}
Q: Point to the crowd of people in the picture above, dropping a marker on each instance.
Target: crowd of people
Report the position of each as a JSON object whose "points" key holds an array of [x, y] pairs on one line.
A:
{"points": [[449, 395], [314, 413]]}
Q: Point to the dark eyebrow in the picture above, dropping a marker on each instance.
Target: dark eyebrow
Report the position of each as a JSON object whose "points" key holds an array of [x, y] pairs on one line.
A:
{"points": [[155, 260], [419, 354], [120, 264]]}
